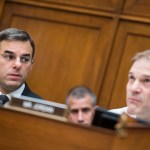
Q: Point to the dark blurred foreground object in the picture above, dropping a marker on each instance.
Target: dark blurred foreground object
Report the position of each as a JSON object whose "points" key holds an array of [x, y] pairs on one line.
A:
{"points": [[3, 99], [104, 118]]}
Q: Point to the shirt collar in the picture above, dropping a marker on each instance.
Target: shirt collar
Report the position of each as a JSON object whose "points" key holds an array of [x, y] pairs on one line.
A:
{"points": [[19, 91]]}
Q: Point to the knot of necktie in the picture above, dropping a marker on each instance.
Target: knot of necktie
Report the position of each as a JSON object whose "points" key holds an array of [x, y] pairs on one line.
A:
{"points": [[3, 99]]}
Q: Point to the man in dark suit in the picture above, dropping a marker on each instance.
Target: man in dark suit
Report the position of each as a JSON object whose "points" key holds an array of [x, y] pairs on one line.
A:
{"points": [[16, 60], [27, 92]]}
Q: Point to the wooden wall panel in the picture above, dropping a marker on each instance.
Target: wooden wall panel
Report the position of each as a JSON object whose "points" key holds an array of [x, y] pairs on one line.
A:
{"points": [[109, 5], [27, 131], [139, 8], [1, 7], [133, 37], [71, 48]]}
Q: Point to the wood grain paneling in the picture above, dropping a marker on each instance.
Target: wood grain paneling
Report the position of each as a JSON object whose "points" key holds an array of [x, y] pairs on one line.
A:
{"points": [[26, 131], [108, 5], [137, 7], [46, 133], [1, 7]]}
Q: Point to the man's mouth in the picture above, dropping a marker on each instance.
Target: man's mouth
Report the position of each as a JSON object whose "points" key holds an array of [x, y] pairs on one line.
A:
{"points": [[134, 100], [14, 76]]}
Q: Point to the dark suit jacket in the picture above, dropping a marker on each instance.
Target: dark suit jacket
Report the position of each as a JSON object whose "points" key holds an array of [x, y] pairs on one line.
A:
{"points": [[28, 92]]}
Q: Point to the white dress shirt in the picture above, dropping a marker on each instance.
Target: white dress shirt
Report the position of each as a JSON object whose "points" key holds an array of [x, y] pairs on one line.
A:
{"points": [[18, 92], [121, 110]]}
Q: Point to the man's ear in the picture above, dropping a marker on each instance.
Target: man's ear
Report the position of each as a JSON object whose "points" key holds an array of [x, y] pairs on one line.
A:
{"points": [[32, 61]]}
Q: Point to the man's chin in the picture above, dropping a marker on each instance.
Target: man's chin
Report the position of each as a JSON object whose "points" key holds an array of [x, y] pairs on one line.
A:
{"points": [[131, 109], [13, 85]]}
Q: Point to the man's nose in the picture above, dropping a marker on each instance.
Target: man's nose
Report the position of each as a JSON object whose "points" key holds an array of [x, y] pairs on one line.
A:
{"points": [[80, 117], [136, 87], [17, 63]]}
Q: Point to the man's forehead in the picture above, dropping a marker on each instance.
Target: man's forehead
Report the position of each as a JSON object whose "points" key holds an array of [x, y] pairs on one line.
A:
{"points": [[80, 102], [16, 47], [141, 66], [80, 99]]}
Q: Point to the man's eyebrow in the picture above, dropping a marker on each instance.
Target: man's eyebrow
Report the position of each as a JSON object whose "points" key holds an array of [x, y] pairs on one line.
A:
{"points": [[131, 74], [26, 54], [74, 109], [10, 52], [7, 51], [146, 76]]}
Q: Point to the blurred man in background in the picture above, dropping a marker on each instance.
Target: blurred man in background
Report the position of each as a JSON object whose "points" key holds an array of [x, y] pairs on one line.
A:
{"points": [[81, 103]]}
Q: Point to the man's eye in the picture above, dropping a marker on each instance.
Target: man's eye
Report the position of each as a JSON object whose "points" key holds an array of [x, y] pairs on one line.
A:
{"points": [[25, 59], [147, 80], [131, 78], [9, 56], [74, 111], [85, 110]]}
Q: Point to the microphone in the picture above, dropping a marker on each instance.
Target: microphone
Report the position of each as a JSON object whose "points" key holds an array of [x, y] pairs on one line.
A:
{"points": [[3, 99]]}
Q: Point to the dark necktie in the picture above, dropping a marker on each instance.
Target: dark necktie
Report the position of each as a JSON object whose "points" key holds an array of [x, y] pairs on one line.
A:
{"points": [[3, 99]]}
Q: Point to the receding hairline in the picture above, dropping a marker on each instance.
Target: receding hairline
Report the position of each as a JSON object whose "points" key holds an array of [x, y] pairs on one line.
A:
{"points": [[79, 92], [141, 55]]}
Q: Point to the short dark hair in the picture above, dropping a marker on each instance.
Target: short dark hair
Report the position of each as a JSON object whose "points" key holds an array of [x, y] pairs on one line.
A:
{"points": [[11, 34], [80, 92]]}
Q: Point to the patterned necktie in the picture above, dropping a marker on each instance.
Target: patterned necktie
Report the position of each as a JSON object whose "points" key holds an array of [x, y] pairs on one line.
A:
{"points": [[3, 99]]}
